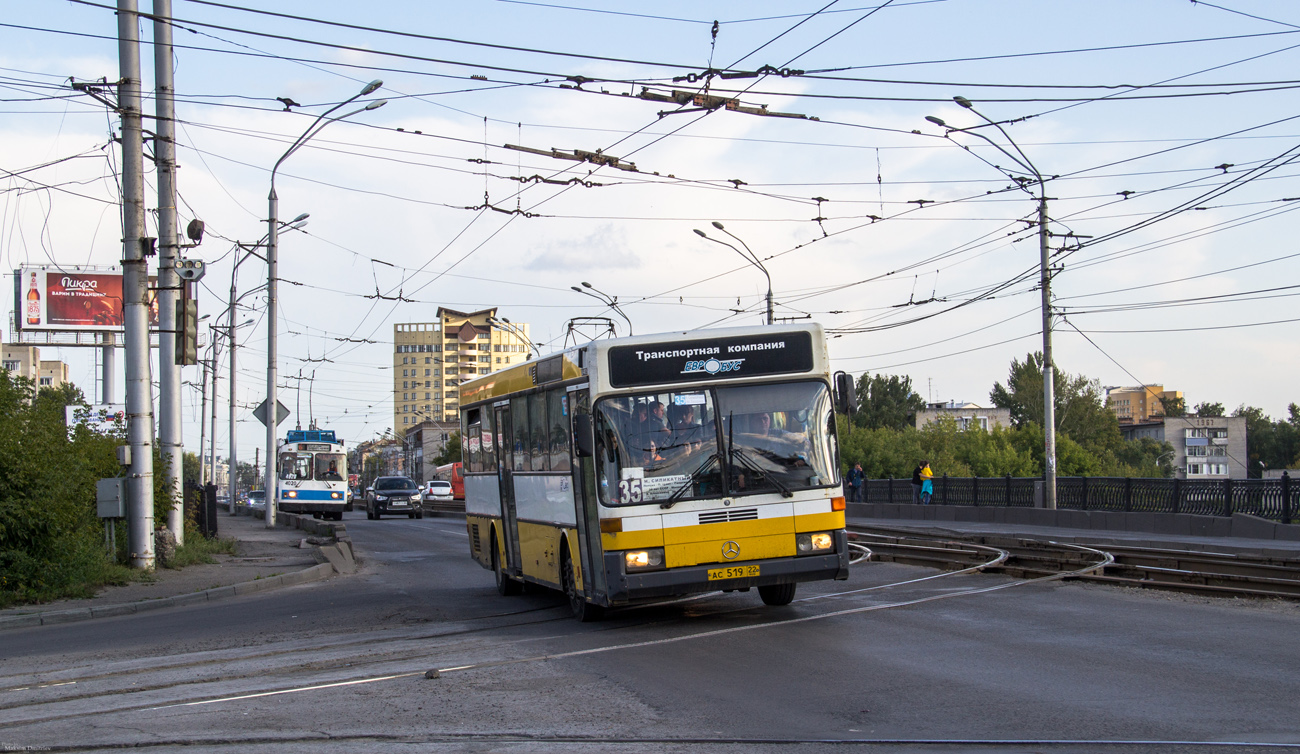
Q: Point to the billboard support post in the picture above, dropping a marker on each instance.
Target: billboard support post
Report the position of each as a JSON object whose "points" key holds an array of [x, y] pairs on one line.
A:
{"points": [[135, 283], [170, 436], [109, 356]]}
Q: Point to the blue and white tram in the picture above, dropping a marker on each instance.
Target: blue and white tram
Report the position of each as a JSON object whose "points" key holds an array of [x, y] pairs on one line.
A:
{"points": [[312, 467]]}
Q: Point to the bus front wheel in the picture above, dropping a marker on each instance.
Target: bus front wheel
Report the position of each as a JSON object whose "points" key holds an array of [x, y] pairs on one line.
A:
{"points": [[777, 594], [582, 609]]}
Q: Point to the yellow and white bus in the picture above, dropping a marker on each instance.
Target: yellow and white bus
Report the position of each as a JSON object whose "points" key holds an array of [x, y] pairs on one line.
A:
{"points": [[640, 468]]}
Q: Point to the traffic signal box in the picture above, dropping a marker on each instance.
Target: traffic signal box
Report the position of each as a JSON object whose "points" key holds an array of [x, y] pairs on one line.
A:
{"points": [[187, 320]]}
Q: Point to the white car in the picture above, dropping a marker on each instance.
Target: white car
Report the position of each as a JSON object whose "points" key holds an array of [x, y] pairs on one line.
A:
{"points": [[437, 491]]}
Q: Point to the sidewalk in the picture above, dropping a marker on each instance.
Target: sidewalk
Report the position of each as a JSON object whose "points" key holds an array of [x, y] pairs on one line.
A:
{"points": [[267, 559]]}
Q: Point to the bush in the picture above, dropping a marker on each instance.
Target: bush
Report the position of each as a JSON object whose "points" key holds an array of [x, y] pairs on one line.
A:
{"points": [[51, 539]]}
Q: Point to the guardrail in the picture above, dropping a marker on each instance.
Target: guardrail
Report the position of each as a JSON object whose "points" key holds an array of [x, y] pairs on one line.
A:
{"points": [[1272, 499]]}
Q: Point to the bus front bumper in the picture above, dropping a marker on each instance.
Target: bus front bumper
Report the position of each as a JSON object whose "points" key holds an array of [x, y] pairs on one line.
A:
{"points": [[631, 587]]}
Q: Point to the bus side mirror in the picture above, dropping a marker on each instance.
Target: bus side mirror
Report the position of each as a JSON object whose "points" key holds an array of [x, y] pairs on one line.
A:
{"points": [[584, 440], [846, 396]]}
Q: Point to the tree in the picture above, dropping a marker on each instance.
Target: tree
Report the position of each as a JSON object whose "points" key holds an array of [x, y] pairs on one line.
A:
{"points": [[191, 466], [886, 402], [1174, 407], [1081, 413], [249, 476], [1208, 409], [450, 452], [1270, 444]]}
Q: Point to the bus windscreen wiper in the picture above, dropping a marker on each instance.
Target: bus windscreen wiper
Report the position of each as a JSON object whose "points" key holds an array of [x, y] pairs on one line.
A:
{"points": [[695, 475], [748, 463]]}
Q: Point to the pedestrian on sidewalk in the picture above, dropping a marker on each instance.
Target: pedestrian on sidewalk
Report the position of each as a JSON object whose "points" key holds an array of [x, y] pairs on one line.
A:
{"points": [[927, 484], [916, 481], [855, 479]]}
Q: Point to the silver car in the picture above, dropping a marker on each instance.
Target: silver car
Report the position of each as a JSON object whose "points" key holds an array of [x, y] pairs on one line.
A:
{"points": [[437, 491], [393, 494]]}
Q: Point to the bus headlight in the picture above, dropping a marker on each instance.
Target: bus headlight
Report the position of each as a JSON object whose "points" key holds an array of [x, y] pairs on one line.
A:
{"points": [[336, 495], [808, 544], [644, 560], [291, 493]]}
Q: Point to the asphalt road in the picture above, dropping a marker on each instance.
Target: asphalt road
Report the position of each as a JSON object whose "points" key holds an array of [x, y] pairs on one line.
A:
{"points": [[879, 663]]}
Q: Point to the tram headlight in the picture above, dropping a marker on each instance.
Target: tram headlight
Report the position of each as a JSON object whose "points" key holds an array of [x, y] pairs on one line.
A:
{"points": [[644, 560], [809, 543]]}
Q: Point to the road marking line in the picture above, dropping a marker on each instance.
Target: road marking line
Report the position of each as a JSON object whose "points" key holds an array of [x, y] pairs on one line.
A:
{"points": [[290, 691]]}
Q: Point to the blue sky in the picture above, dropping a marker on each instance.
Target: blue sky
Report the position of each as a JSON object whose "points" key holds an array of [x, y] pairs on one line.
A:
{"points": [[1166, 130]]}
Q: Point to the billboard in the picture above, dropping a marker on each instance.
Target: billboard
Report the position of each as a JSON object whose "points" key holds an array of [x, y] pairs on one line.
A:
{"points": [[101, 417], [76, 299]]}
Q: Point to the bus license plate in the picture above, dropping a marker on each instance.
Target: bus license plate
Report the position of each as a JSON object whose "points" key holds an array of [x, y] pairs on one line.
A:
{"points": [[736, 572]]}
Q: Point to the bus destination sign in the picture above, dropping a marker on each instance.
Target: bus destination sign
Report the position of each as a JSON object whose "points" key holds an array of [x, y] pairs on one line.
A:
{"points": [[705, 359]]}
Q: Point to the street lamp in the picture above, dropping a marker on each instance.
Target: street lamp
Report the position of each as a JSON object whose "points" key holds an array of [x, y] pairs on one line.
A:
{"points": [[505, 325], [1049, 382], [228, 331], [273, 228], [232, 304], [751, 257], [604, 298]]}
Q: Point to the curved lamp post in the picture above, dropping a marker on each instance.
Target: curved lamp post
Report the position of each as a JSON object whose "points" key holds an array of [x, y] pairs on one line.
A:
{"points": [[751, 257], [505, 325], [273, 228], [1049, 382]]}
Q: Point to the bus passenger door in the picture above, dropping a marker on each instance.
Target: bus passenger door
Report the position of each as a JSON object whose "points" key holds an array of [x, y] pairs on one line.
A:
{"points": [[587, 514], [506, 478]]}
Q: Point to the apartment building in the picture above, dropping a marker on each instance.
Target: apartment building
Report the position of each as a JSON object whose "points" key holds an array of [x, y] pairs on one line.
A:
{"points": [[965, 414], [25, 361], [1134, 405], [1205, 447], [431, 359]]}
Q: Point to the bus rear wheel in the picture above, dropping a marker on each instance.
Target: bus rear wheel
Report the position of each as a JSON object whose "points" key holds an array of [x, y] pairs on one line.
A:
{"points": [[777, 594], [506, 586], [582, 609]]}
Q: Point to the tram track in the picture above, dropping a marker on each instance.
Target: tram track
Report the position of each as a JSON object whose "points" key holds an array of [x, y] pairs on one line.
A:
{"points": [[1192, 572]]}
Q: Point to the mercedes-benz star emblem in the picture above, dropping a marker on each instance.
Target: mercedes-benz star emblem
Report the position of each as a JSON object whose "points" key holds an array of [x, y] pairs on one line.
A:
{"points": [[730, 549]]}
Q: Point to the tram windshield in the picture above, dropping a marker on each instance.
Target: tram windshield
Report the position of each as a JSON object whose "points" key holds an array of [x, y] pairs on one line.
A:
{"points": [[329, 467], [681, 445], [295, 465], [322, 467]]}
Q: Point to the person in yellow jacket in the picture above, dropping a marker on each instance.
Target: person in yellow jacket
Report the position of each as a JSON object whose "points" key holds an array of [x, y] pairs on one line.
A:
{"points": [[927, 483]]}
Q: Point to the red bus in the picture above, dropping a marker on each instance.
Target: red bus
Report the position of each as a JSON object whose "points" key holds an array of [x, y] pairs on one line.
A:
{"points": [[453, 473]]}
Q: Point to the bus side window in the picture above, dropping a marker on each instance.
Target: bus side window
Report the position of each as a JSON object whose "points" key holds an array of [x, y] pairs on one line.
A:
{"points": [[473, 445], [489, 447], [558, 416], [519, 432], [537, 425]]}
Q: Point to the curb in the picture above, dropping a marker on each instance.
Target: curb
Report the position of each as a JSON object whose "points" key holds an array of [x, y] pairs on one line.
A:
{"points": [[338, 558], [305, 576]]}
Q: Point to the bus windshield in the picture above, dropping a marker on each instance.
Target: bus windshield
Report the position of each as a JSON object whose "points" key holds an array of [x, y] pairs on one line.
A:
{"points": [[690, 444]]}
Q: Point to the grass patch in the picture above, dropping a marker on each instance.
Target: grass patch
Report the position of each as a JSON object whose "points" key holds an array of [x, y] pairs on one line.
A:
{"points": [[199, 550]]}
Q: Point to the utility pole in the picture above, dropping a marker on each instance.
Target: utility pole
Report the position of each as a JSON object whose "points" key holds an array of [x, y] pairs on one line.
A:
{"points": [[233, 484], [203, 423], [212, 443], [1049, 372], [135, 283], [170, 437]]}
